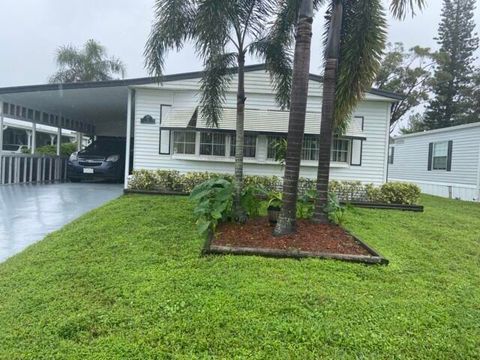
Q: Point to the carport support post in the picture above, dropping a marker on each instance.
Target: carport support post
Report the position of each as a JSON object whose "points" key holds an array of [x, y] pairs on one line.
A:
{"points": [[1, 141], [1, 127], [59, 140], [79, 141], [34, 137], [129, 130]]}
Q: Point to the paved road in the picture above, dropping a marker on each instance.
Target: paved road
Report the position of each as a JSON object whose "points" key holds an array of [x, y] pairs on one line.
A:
{"points": [[29, 212]]}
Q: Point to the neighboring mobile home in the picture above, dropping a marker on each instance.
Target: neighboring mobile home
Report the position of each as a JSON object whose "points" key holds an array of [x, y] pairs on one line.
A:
{"points": [[443, 162], [170, 132]]}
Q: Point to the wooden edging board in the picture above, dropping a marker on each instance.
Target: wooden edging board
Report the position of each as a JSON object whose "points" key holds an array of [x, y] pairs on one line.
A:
{"points": [[375, 258]]}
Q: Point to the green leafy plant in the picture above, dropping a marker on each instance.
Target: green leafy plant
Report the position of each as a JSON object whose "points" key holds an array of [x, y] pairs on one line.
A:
{"points": [[335, 211], [250, 201], [305, 204], [280, 147], [213, 200]]}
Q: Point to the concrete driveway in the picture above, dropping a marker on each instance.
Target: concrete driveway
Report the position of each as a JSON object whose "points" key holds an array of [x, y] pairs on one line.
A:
{"points": [[29, 212]]}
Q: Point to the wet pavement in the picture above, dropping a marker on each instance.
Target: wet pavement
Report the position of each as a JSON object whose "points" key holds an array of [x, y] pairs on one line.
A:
{"points": [[29, 212]]}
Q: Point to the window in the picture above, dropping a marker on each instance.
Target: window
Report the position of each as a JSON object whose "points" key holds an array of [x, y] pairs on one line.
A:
{"points": [[184, 142], [249, 145], [212, 143], [440, 155], [271, 141], [391, 153], [340, 149], [310, 148]]}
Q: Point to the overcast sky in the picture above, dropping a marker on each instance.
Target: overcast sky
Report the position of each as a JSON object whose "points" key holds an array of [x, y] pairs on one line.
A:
{"points": [[32, 30]]}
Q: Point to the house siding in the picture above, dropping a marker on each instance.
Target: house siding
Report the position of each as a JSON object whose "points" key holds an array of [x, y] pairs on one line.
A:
{"points": [[262, 115], [411, 163]]}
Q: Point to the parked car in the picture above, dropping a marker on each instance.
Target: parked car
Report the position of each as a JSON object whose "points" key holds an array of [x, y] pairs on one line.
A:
{"points": [[103, 159], [14, 149]]}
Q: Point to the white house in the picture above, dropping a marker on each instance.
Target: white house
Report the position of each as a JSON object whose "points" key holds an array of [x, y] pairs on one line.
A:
{"points": [[164, 128], [443, 162], [170, 133]]}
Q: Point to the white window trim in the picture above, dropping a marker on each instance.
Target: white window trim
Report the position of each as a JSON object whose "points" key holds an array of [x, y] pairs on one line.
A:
{"points": [[250, 160], [446, 155]]}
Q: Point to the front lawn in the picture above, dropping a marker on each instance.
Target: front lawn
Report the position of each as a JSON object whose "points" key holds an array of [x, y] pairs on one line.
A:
{"points": [[126, 281]]}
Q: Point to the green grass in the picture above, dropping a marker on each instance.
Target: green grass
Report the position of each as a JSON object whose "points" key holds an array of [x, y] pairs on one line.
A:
{"points": [[126, 281]]}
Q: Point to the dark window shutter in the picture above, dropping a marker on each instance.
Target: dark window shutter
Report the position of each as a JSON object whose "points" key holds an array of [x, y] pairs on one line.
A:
{"points": [[449, 158], [392, 155], [430, 153]]}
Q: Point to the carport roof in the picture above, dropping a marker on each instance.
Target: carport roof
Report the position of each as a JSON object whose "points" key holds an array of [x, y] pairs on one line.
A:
{"points": [[102, 102], [149, 80]]}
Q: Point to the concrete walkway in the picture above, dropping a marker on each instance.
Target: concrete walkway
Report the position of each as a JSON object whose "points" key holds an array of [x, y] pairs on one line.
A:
{"points": [[29, 212]]}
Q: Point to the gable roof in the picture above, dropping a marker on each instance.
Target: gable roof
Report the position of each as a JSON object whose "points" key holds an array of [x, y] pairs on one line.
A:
{"points": [[151, 80]]}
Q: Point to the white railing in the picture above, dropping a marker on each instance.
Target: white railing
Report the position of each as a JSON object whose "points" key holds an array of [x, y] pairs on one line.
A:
{"points": [[24, 168]]}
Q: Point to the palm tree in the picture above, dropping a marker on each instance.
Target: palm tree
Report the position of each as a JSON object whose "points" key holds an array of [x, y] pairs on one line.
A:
{"points": [[88, 64], [296, 122], [223, 32], [354, 43]]}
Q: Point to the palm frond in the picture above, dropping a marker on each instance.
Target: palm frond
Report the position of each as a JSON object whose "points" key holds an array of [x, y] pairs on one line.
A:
{"points": [[216, 78], [214, 21], [362, 43], [173, 26], [400, 8], [278, 61]]}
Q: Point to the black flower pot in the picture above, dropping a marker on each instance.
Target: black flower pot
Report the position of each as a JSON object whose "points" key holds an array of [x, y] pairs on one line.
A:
{"points": [[273, 213]]}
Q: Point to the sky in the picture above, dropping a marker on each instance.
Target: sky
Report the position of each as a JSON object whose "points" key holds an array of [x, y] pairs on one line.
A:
{"points": [[32, 31]]}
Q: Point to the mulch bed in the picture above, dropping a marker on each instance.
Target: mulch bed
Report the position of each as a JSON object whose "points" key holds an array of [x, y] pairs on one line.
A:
{"points": [[310, 237]]}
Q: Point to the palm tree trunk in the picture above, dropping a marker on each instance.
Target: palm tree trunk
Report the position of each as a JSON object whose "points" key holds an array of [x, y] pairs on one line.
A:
{"points": [[239, 141], [328, 112], [296, 124]]}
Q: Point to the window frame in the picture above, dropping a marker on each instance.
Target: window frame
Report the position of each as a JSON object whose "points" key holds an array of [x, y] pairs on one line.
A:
{"points": [[245, 146], [212, 144], [184, 142], [344, 151], [434, 146]]}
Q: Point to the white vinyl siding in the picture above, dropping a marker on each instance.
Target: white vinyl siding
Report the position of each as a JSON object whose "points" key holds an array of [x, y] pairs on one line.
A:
{"points": [[411, 161]]}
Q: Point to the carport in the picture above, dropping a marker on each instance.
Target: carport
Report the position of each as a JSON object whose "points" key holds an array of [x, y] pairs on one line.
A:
{"points": [[89, 108]]}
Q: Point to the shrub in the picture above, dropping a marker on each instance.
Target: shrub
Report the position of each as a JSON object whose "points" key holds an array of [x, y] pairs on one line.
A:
{"points": [[348, 190], [171, 180], [394, 193], [143, 180], [66, 149]]}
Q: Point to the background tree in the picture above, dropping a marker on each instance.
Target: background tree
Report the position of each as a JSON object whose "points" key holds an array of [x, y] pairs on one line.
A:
{"points": [[473, 100], [408, 73], [91, 63], [454, 73], [223, 33]]}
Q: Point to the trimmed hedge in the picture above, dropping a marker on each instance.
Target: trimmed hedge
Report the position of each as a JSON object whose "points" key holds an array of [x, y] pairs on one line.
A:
{"points": [[171, 180]]}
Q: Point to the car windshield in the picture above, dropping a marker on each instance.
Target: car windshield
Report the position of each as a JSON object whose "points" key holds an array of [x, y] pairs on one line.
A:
{"points": [[104, 147], [11, 147]]}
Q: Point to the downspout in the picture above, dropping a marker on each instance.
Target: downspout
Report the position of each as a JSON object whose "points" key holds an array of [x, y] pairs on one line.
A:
{"points": [[478, 176], [128, 135]]}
